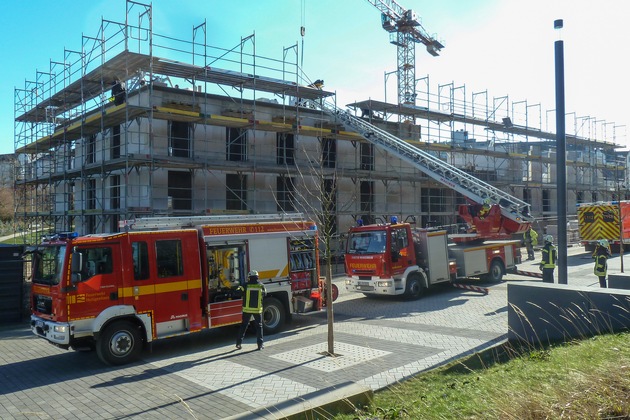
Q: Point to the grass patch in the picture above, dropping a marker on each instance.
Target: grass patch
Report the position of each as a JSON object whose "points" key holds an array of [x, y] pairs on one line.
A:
{"points": [[20, 237], [576, 380], [28, 238]]}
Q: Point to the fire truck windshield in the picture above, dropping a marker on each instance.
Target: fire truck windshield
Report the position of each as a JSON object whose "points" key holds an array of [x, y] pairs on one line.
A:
{"points": [[369, 242], [47, 264]]}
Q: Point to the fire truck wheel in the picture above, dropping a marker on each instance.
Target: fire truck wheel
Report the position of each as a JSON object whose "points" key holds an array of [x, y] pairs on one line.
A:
{"points": [[495, 275], [335, 292], [273, 315], [119, 343], [414, 287]]}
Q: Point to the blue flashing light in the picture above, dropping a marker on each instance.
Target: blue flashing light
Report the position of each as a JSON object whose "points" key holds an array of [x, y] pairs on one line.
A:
{"points": [[313, 227], [359, 222], [60, 236], [68, 235], [394, 220]]}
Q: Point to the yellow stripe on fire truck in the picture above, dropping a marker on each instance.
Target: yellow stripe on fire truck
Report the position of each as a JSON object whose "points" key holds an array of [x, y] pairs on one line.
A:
{"points": [[175, 286]]}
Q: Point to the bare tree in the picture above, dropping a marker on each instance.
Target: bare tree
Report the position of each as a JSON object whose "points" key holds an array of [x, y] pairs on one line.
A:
{"points": [[7, 166], [314, 192], [6, 204]]}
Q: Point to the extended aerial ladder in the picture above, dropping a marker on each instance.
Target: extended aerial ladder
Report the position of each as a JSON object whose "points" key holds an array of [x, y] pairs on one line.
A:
{"points": [[504, 214]]}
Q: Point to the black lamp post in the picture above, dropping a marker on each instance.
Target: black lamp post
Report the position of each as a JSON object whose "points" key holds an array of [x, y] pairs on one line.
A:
{"points": [[561, 159]]}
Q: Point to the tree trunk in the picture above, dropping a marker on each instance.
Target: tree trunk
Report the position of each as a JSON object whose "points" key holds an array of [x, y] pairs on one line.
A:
{"points": [[329, 305]]}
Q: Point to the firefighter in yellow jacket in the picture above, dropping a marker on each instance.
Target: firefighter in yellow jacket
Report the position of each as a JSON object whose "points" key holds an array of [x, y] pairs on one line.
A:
{"points": [[253, 293], [549, 257], [601, 255], [530, 237]]}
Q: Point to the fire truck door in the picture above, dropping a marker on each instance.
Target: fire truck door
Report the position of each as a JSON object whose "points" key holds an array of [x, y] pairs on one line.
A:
{"points": [[142, 286], [167, 281], [400, 248], [98, 288]]}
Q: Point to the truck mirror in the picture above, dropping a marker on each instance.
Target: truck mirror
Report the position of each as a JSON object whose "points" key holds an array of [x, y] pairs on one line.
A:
{"points": [[76, 278], [77, 262]]}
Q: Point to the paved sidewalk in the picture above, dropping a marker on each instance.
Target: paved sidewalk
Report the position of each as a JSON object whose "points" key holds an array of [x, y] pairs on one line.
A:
{"points": [[202, 376], [17, 236]]}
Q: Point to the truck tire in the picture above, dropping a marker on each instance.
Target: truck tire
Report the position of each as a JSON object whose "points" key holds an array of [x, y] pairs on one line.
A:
{"points": [[495, 275], [273, 316], [414, 287], [119, 343]]}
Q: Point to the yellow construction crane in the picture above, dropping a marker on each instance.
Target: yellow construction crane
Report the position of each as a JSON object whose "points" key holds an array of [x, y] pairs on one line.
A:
{"points": [[405, 30]]}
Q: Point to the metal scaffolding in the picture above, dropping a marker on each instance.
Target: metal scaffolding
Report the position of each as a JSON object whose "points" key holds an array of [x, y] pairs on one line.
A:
{"points": [[196, 129]]}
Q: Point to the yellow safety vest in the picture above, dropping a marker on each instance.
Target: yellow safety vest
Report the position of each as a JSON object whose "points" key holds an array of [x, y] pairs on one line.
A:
{"points": [[252, 299], [601, 265], [548, 256]]}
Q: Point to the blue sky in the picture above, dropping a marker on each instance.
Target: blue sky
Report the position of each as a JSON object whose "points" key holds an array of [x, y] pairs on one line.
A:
{"points": [[503, 47]]}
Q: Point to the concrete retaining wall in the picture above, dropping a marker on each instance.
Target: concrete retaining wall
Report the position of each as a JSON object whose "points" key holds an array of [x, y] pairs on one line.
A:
{"points": [[540, 313], [619, 281]]}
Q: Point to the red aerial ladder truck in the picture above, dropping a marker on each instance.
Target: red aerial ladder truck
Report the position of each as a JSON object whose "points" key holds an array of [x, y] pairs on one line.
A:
{"points": [[411, 259], [394, 259]]}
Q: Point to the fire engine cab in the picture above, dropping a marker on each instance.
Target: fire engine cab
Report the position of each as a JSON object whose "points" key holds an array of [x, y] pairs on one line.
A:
{"points": [[164, 277]]}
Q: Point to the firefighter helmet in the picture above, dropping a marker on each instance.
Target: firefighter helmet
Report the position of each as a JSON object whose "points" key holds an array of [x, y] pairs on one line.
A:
{"points": [[603, 242], [549, 238], [253, 273]]}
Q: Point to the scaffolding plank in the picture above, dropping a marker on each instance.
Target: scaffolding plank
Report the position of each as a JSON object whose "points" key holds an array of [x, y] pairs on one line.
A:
{"points": [[91, 124], [129, 64], [439, 116]]}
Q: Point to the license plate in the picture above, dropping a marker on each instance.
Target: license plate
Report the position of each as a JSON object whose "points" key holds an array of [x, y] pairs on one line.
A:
{"points": [[366, 288]]}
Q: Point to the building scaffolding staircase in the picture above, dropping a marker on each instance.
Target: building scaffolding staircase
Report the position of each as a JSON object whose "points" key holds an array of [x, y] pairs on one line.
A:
{"points": [[470, 187]]}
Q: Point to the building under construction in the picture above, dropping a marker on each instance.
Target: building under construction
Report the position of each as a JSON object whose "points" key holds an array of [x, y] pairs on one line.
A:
{"points": [[136, 124]]}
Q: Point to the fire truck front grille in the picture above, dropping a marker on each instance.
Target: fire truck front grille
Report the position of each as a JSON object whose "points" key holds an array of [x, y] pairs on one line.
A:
{"points": [[43, 304]]}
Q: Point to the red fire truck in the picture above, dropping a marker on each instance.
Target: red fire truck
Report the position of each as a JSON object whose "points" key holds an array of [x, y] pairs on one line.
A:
{"points": [[408, 261], [396, 259], [163, 277]]}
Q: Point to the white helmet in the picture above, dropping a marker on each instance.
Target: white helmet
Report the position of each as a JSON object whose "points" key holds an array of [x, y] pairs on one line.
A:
{"points": [[253, 273], [603, 242], [549, 238]]}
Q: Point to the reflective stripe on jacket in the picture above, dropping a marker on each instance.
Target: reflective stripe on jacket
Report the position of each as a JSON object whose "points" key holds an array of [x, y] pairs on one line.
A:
{"points": [[549, 256], [601, 265]]}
